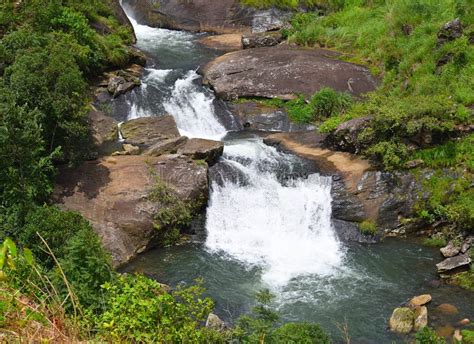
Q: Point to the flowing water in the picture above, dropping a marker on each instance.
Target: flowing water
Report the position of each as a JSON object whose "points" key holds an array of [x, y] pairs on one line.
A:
{"points": [[268, 222]]}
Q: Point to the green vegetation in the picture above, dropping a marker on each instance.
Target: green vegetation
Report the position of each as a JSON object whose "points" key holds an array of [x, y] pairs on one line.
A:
{"points": [[368, 227], [437, 240], [173, 214], [425, 98], [467, 336], [428, 336]]}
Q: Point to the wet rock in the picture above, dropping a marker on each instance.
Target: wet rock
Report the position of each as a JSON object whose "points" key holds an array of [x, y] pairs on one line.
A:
{"points": [[258, 116], [144, 132], [213, 322], [446, 308], [350, 232], [450, 31], [137, 57], [260, 40], [345, 137], [225, 42], [222, 171], [449, 264], [201, 149], [168, 146], [112, 193], [450, 250], [346, 206], [421, 318], [281, 72], [224, 16], [118, 85], [420, 300], [401, 320], [445, 331]]}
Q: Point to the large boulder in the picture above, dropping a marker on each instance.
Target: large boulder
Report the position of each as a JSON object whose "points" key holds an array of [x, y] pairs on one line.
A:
{"points": [[112, 193], [401, 320], [223, 16], [454, 263], [345, 137], [202, 149], [281, 72], [146, 131], [104, 131]]}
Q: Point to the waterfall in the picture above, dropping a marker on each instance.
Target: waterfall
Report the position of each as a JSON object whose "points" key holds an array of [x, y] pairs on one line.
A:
{"points": [[193, 109], [271, 218], [283, 227]]}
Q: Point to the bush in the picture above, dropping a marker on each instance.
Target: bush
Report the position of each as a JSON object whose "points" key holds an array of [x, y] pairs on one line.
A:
{"points": [[141, 310], [300, 333], [368, 227], [428, 336]]}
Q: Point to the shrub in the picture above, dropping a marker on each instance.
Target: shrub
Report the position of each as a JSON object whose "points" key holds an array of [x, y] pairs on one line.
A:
{"points": [[368, 227], [428, 336], [300, 333], [140, 310]]}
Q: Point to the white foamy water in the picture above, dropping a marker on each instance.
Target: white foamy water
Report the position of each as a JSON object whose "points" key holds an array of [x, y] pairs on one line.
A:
{"points": [[193, 110], [285, 229]]}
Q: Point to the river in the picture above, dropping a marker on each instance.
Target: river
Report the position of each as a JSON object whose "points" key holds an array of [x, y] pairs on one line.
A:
{"points": [[268, 222]]}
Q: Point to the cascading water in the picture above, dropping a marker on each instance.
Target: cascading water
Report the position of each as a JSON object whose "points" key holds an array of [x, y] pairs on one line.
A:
{"points": [[269, 217], [283, 227]]}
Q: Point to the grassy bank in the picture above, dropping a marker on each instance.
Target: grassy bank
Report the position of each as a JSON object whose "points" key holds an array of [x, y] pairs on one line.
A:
{"points": [[425, 102]]}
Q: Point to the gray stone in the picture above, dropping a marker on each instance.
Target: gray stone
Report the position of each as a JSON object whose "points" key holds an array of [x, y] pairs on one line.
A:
{"points": [[462, 260], [450, 250], [213, 322], [282, 72], [168, 146]]}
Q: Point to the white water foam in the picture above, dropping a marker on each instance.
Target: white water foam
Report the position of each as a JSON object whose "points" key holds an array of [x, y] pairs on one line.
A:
{"points": [[284, 229], [193, 110]]}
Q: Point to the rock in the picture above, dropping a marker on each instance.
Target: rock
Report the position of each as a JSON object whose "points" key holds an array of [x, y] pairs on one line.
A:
{"points": [[124, 88], [225, 42], [421, 318], [457, 336], [104, 130], [137, 57], [450, 31], [445, 331], [168, 146], [464, 322], [466, 245], [213, 322], [114, 83], [258, 116], [446, 308], [260, 40], [223, 16], [281, 72], [350, 232], [112, 193], [201, 149], [450, 250], [359, 193], [462, 260], [420, 300], [144, 132], [401, 320], [345, 137], [128, 150], [414, 163]]}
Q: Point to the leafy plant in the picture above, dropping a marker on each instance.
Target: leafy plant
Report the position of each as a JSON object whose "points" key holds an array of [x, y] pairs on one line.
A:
{"points": [[428, 336], [368, 227]]}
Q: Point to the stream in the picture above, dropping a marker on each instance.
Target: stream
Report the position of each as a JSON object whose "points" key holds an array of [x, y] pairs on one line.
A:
{"points": [[268, 222]]}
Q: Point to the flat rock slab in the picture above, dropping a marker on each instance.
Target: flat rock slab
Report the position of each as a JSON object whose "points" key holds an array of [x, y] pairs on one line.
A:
{"points": [[225, 42], [112, 193], [202, 149], [281, 72], [149, 130], [453, 263]]}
